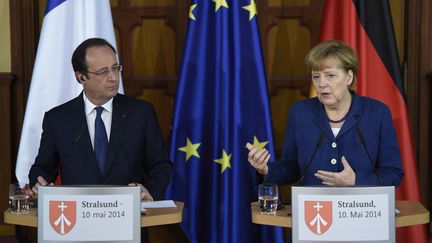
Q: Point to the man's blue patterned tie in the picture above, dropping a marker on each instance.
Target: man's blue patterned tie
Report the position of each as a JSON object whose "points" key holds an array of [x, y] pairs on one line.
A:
{"points": [[100, 140]]}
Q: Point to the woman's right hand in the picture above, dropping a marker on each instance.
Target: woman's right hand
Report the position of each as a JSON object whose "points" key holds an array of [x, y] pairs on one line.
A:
{"points": [[258, 158]]}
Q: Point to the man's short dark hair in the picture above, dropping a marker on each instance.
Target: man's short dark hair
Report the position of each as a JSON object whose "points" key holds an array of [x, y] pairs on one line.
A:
{"points": [[79, 56]]}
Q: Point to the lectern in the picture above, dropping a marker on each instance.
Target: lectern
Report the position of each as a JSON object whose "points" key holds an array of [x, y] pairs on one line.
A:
{"points": [[152, 217], [89, 213], [410, 213]]}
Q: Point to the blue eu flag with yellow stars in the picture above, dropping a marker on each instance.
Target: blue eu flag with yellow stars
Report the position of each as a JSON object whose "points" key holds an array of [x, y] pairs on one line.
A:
{"points": [[221, 105]]}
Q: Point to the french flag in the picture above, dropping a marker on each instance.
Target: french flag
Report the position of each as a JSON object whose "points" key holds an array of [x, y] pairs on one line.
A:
{"points": [[66, 24]]}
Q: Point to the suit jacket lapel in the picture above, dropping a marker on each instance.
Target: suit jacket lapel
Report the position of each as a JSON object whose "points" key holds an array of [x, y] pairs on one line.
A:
{"points": [[351, 120], [321, 120], [78, 115], [119, 118]]}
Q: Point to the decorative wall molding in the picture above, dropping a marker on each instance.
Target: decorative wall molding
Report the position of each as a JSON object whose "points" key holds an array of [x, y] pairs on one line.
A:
{"points": [[5, 141]]}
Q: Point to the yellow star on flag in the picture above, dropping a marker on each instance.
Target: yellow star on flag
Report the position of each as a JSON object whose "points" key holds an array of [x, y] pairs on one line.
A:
{"points": [[252, 9], [224, 161], [220, 3], [191, 15], [190, 149], [258, 144]]}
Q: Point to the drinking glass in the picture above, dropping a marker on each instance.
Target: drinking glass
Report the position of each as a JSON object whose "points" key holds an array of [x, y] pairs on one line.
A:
{"points": [[268, 198], [18, 199]]}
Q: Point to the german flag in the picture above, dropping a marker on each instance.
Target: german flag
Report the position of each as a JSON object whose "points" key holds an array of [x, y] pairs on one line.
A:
{"points": [[366, 25]]}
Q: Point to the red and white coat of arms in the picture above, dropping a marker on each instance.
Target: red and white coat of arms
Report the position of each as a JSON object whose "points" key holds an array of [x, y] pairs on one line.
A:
{"points": [[62, 216], [318, 216]]}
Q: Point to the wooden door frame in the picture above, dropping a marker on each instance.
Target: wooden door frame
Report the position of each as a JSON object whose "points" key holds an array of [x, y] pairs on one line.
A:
{"points": [[418, 68]]}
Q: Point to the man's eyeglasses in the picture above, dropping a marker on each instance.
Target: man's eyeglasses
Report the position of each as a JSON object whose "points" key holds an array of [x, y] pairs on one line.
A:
{"points": [[106, 72]]}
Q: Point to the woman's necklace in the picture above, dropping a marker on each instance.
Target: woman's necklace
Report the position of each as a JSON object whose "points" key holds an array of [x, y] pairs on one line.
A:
{"points": [[343, 118], [337, 121]]}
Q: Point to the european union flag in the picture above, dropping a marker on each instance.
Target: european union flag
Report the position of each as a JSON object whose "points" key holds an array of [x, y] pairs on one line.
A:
{"points": [[221, 105]]}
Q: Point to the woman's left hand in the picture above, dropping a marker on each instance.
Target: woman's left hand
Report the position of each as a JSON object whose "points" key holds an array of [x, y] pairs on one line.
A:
{"points": [[344, 178]]}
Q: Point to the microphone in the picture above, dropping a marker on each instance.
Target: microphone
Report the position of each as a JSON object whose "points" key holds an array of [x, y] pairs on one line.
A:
{"points": [[363, 142], [122, 148], [318, 144], [75, 140]]}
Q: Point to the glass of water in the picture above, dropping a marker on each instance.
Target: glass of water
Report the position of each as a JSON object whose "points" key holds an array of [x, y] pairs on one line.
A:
{"points": [[268, 198], [18, 199]]}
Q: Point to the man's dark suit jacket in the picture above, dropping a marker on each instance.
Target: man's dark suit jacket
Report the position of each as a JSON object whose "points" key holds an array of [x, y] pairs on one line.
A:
{"points": [[135, 151]]}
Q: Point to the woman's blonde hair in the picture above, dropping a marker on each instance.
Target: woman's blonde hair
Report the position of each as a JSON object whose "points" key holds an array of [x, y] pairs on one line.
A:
{"points": [[342, 53]]}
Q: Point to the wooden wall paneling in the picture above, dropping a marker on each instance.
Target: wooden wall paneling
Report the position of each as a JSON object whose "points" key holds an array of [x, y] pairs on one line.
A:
{"points": [[125, 21], [419, 77], [24, 36], [180, 20], [5, 141], [425, 151], [126, 18], [397, 9], [309, 17], [289, 28], [151, 38]]}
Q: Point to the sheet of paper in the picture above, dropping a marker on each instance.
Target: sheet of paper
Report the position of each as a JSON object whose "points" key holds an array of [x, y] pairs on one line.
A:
{"points": [[158, 204]]}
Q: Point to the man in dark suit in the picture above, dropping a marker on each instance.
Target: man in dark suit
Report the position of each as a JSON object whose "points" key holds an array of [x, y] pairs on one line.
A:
{"points": [[102, 137]]}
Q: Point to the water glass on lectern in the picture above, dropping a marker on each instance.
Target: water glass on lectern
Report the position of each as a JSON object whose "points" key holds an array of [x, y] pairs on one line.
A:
{"points": [[18, 199], [268, 198]]}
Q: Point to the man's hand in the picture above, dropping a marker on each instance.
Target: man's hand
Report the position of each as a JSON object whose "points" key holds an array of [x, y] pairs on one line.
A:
{"points": [[344, 178], [41, 182], [145, 194], [258, 158]]}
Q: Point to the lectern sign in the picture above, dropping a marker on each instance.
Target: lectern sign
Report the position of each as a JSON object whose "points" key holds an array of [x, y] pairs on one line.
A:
{"points": [[343, 214], [85, 214]]}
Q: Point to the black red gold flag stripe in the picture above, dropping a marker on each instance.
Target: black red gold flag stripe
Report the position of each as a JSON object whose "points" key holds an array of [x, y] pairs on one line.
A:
{"points": [[367, 26]]}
